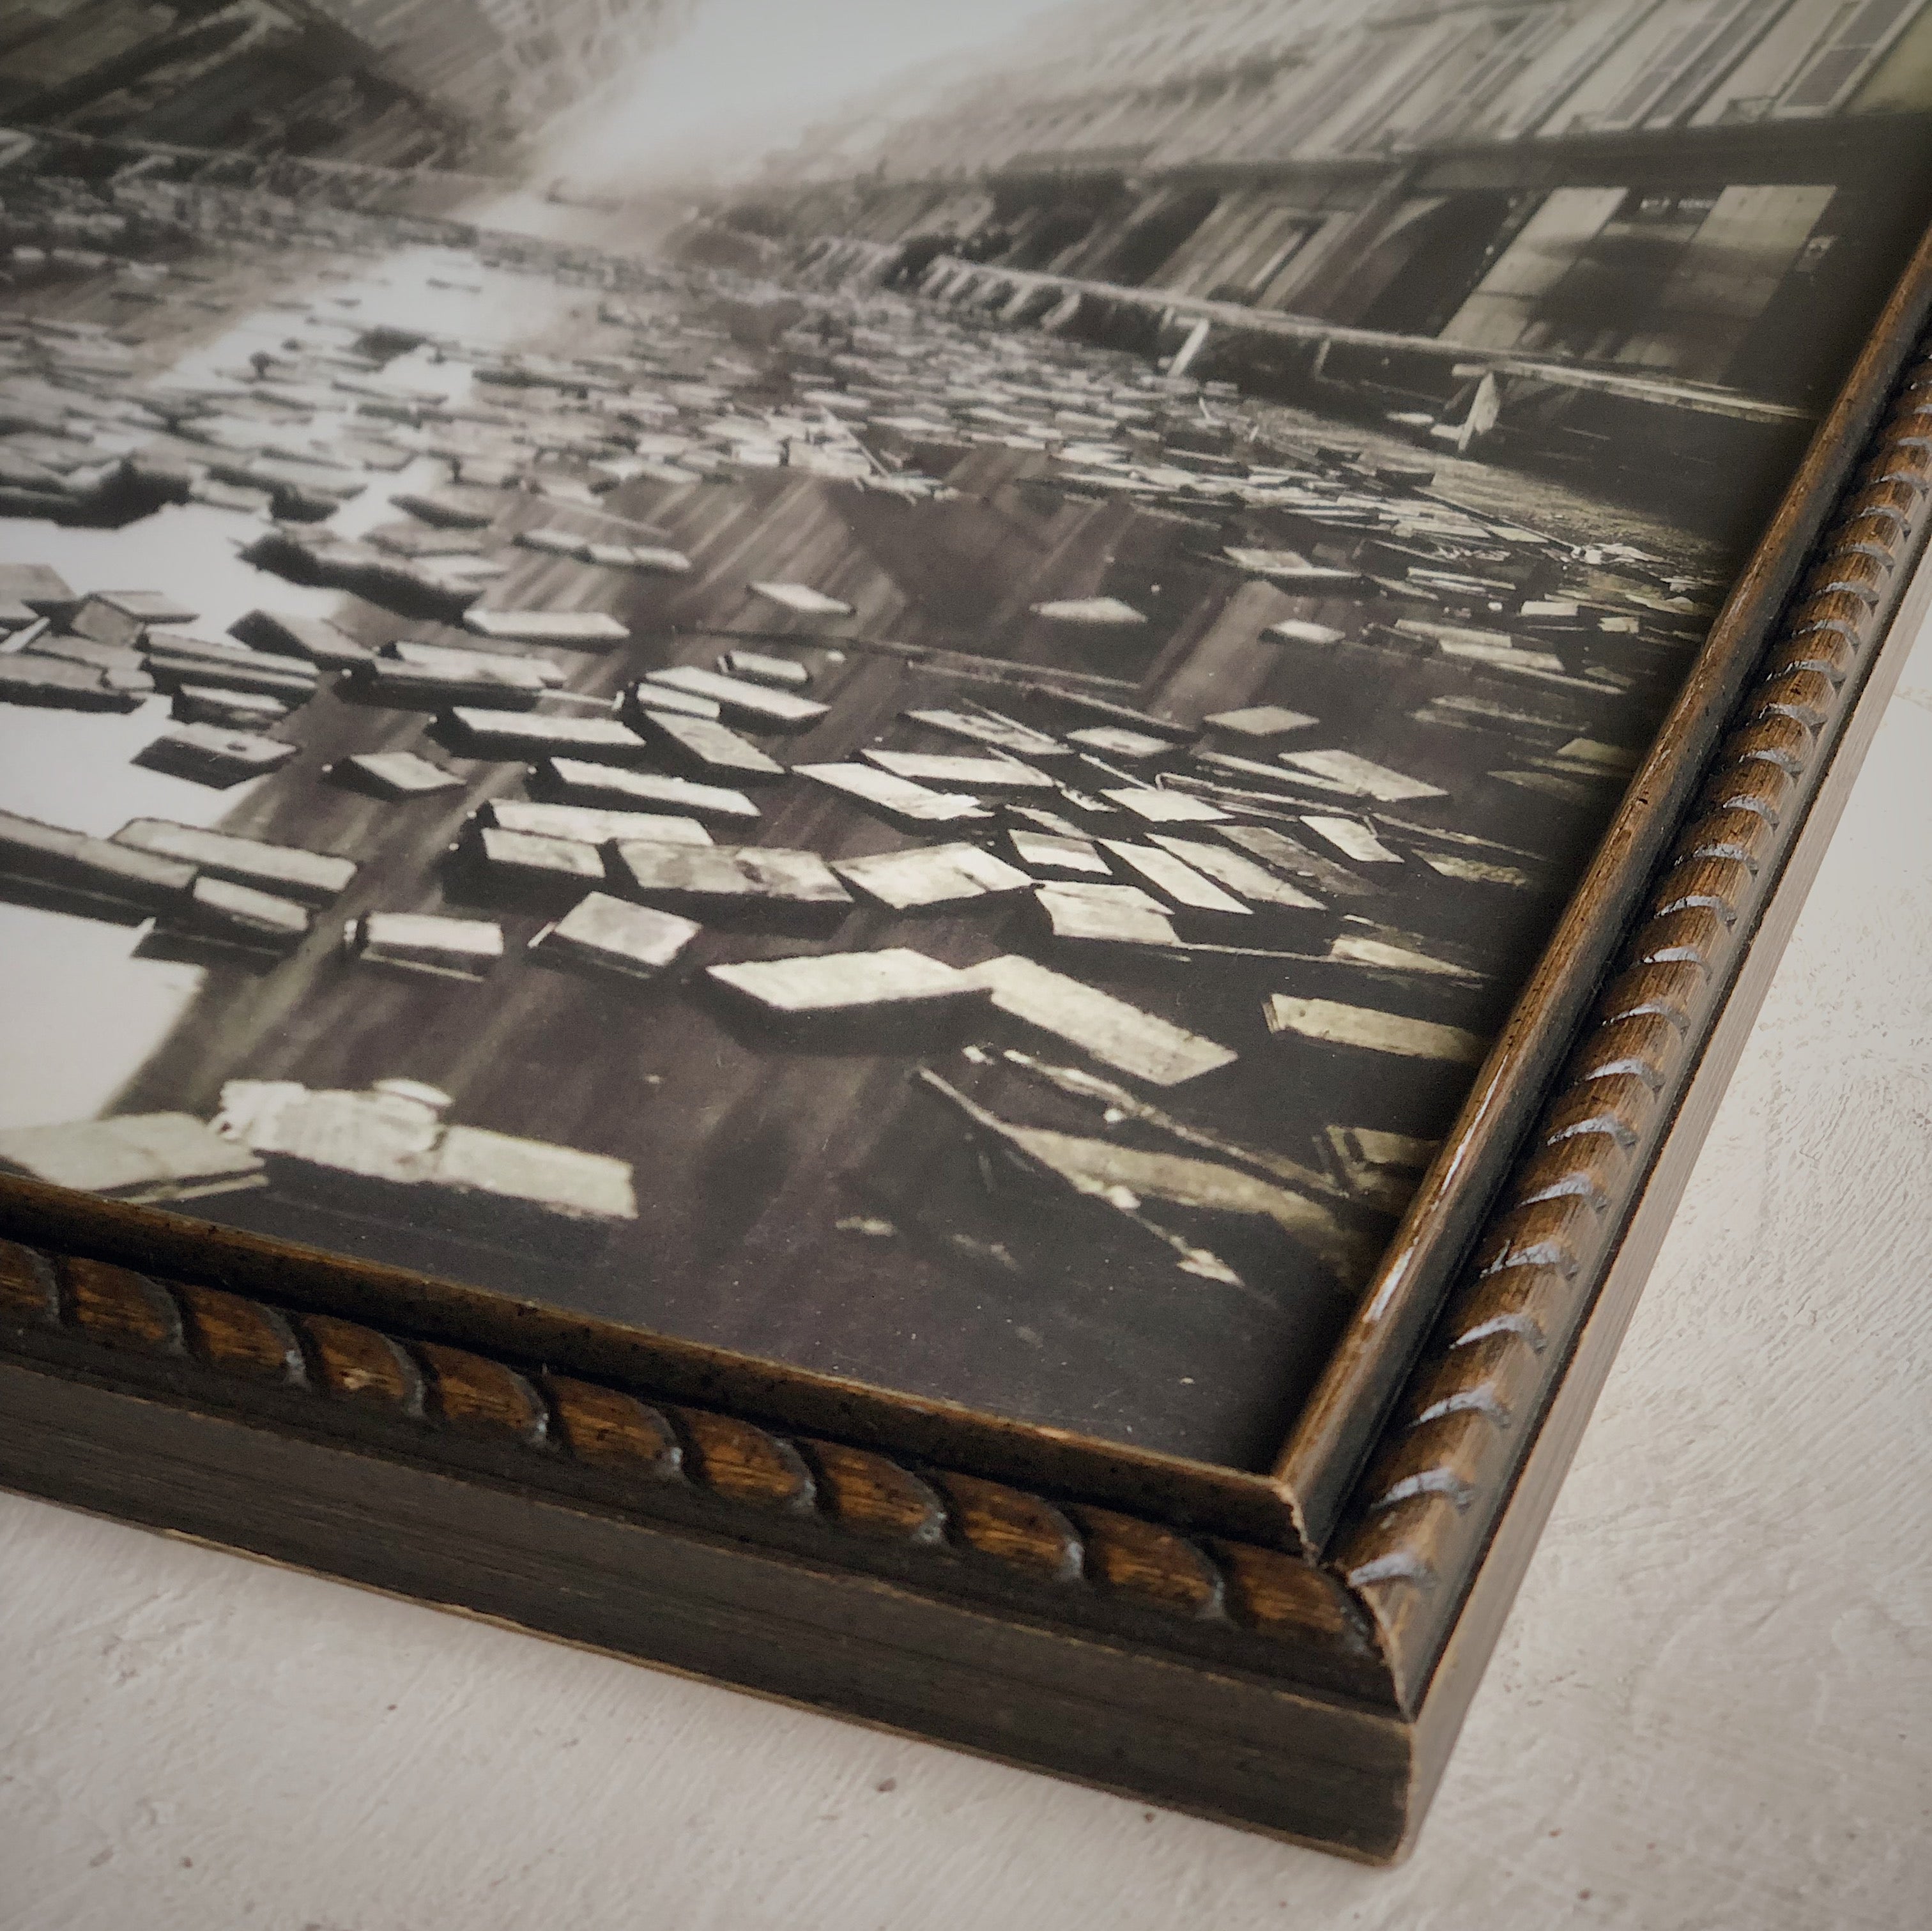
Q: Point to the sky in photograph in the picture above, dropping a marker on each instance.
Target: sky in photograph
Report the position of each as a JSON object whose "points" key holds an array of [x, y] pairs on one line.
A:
{"points": [[749, 76]]}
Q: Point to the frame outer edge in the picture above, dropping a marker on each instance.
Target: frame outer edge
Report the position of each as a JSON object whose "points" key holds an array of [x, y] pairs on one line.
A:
{"points": [[1648, 1071]]}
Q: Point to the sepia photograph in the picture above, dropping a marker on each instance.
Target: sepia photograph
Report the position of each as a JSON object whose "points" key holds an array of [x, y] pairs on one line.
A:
{"points": [[902, 692]]}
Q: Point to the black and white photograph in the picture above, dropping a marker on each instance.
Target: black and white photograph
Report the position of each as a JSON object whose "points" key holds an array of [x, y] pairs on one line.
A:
{"points": [[900, 690]]}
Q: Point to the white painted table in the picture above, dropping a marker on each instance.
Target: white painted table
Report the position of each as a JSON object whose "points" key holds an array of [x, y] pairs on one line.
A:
{"points": [[1681, 1728]]}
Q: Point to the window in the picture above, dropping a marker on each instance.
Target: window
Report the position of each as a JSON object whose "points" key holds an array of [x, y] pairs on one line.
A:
{"points": [[1861, 32], [1689, 61]]}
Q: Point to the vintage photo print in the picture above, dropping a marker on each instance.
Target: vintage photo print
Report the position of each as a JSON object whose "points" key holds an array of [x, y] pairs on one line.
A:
{"points": [[903, 689]]}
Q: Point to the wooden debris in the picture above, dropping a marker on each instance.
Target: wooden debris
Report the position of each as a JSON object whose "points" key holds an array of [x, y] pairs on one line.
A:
{"points": [[612, 935], [647, 696], [1055, 855], [1362, 775], [1261, 720], [1135, 746], [758, 667], [239, 914], [1163, 806], [388, 1152], [1333, 1024], [450, 509], [290, 871], [589, 825], [724, 877], [1003, 734], [964, 773], [845, 982], [1479, 871], [937, 874], [570, 629], [1239, 874], [1096, 610], [205, 754], [571, 781], [450, 948], [898, 800], [498, 735], [523, 860], [801, 599], [706, 747], [145, 1159], [759, 706], [1298, 630], [1106, 915], [72, 863], [55, 684], [393, 774], [1109, 1029], [120, 617], [1283, 853], [1352, 839], [235, 710]]}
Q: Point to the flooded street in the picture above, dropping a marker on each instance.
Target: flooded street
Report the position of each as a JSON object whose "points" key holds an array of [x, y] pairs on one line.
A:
{"points": [[1185, 787]]}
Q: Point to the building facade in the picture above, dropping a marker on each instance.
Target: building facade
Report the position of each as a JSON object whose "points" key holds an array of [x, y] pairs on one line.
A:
{"points": [[392, 82], [1665, 186]]}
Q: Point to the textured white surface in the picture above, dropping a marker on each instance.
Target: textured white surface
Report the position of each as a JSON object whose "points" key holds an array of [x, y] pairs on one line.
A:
{"points": [[1711, 1709]]}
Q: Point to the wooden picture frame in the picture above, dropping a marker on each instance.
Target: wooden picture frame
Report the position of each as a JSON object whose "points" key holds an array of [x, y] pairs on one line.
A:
{"points": [[1290, 1647]]}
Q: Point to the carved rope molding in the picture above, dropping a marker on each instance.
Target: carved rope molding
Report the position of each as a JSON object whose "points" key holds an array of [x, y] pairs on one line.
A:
{"points": [[1445, 1468], [1250, 1606]]}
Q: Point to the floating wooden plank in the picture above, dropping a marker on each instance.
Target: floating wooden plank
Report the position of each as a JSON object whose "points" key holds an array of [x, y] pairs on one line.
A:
{"points": [[172, 665], [394, 774], [1292, 570], [143, 1158], [517, 667], [550, 543], [724, 878], [1276, 779], [1362, 775], [497, 734], [802, 599], [119, 617], [1003, 734], [1334, 1024], [1173, 878], [571, 781], [1261, 720], [647, 696], [966, 773], [1282, 853], [1134, 745], [288, 870], [1095, 610], [450, 509], [40, 587], [241, 914], [758, 705], [1380, 1169], [1162, 806], [1239, 873], [1299, 630], [53, 683], [758, 667], [898, 800], [837, 983], [1391, 955], [387, 1152], [570, 629], [706, 747], [91, 868], [937, 875], [1109, 1029], [205, 754], [1479, 871], [451, 948], [235, 710], [1055, 855], [613, 935], [430, 684], [523, 860], [1105, 914], [1352, 839], [588, 824]]}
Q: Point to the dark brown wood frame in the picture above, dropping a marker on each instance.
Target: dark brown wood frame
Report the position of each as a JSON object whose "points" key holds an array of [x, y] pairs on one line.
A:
{"points": [[1292, 1650]]}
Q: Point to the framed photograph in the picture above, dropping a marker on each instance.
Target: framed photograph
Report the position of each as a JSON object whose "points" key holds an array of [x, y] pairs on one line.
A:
{"points": [[906, 857]]}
